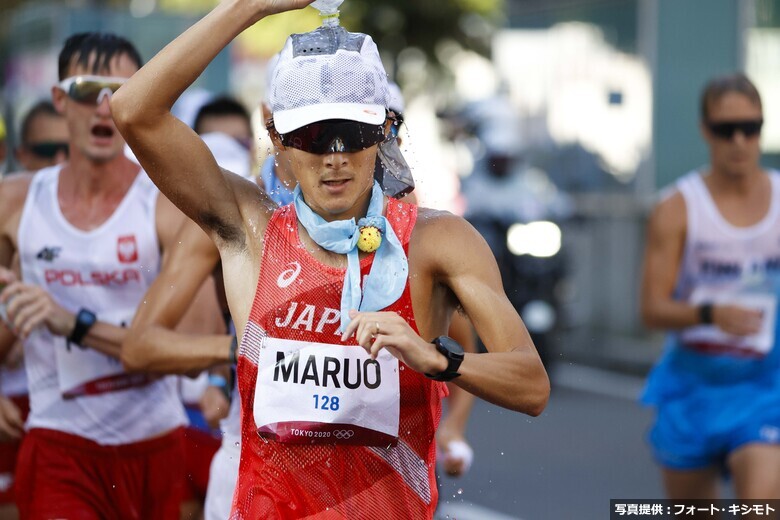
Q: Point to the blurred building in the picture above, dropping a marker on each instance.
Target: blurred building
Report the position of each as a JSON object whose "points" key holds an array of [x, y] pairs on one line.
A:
{"points": [[606, 98], [608, 95], [37, 30]]}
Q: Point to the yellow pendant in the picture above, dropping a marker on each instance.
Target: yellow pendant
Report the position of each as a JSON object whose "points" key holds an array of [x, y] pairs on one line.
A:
{"points": [[370, 239]]}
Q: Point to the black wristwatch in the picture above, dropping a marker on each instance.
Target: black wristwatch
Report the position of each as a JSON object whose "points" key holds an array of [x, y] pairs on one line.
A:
{"points": [[84, 321], [705, 313], [454, 354]]}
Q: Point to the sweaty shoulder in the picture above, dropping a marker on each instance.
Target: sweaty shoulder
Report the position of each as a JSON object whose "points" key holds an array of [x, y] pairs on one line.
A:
{"points": [[669, 215], [13, 191], [442, 237]]}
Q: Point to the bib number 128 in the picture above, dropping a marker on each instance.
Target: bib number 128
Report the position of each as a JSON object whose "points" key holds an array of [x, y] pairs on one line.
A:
{"points": [[325, 402]]}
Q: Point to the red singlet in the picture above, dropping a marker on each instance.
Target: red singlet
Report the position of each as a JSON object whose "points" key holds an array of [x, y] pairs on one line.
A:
{"points": [[298, 298]]}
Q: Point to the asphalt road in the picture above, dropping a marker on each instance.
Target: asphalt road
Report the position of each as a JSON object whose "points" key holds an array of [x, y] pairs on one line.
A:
{"points": [[585, 449]]}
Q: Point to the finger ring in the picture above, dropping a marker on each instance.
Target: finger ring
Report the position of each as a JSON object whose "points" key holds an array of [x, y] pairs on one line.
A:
{"points": [[377, 328]]}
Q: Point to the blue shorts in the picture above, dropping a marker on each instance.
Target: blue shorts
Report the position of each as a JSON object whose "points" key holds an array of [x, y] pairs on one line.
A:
{"points": [[703, 425]]}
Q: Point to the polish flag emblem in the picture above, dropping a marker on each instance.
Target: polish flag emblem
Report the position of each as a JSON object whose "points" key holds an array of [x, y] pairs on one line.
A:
{"points": [[127, 249]]}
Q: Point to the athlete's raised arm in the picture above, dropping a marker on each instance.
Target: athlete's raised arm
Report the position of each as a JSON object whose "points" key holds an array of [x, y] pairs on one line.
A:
{"points": [[172, 154]]}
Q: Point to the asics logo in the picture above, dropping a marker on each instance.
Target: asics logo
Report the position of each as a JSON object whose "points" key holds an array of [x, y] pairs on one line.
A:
{"points": [[288, 276], [343, 434]]}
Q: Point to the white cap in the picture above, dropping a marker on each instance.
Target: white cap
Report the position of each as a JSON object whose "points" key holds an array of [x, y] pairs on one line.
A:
{"points": [[270, 68], [325, 74], [395, 100]]}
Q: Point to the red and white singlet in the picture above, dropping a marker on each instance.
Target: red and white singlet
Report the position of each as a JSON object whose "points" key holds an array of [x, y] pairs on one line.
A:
{"points": [[326, 431], [107, 270]]}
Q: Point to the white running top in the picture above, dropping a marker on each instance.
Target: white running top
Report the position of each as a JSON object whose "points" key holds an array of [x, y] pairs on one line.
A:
{"points": [[106, 270]]}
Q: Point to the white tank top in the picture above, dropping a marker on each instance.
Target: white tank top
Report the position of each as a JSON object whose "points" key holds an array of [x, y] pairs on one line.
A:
{"points": [[231, 425], [725, 263], [13, 381], [108, 271]]}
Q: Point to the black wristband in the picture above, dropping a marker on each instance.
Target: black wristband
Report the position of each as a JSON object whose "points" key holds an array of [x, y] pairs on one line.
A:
{"points": [[233, 356], [85, 319], [705, 313]]}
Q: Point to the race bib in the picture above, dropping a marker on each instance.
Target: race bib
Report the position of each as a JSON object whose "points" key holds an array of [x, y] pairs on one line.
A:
{"points": [[84, 371], [759, 343], [314, 393]]}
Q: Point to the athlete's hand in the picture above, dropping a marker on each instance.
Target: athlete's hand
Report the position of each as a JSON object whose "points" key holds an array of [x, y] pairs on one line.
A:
{"points": [[214, 405], [11, 423], [15, 356], [7, 278], [269, 7], [377, 330], [30, 306], [739, 321], [453, 451]]}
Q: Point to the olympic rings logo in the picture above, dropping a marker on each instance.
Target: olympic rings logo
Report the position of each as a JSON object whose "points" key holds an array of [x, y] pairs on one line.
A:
{"points": [[344, 434]]}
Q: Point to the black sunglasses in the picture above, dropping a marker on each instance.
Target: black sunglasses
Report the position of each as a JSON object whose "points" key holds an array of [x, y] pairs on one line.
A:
{"points": [[727, 129], [332, 135], [47, 150]]}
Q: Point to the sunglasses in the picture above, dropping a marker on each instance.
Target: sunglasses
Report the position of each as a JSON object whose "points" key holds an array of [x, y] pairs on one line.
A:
{"points": [[331, 136], [47, 150], [727, 129], [90, 89]]}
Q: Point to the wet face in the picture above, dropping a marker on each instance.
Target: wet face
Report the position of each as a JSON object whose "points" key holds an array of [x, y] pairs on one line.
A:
{"points": [[337, 186], [738, 154], [45, 142], [92, 131]]}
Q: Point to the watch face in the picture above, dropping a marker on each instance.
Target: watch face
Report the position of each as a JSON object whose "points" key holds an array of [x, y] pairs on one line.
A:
{"points": [[450, 344], [87, 318]]}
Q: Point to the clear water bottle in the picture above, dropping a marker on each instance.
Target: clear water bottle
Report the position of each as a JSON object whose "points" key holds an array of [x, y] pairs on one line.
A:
{"points": [[329, 10]]}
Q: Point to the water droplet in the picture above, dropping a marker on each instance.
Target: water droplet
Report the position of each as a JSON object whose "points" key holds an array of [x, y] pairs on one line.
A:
{"points": [[460, 491]]}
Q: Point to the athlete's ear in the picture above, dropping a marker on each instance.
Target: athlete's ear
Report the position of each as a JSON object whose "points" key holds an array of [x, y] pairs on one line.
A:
{"points": [[58, 99], [705, 133]]}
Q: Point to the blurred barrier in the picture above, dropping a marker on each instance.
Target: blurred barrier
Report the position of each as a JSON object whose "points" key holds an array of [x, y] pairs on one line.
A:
{"points": [[602, 327]]}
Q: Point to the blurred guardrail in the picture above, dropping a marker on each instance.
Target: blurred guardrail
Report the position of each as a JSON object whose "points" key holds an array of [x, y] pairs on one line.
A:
{"points": [[604, 243]]}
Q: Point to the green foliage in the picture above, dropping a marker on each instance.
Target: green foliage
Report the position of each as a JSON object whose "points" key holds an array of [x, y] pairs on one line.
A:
{"points": [[397, 24], [394, 24]]}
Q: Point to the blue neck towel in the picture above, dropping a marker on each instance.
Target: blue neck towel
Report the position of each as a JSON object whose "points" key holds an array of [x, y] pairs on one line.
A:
{"points": [[385, 283]]}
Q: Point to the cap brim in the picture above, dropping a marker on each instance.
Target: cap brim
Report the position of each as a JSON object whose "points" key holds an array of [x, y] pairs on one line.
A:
{"points": [[289, 120]]}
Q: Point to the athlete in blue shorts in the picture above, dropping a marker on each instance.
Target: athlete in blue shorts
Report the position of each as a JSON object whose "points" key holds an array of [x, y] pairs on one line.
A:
{"points": [[712, 277]]}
